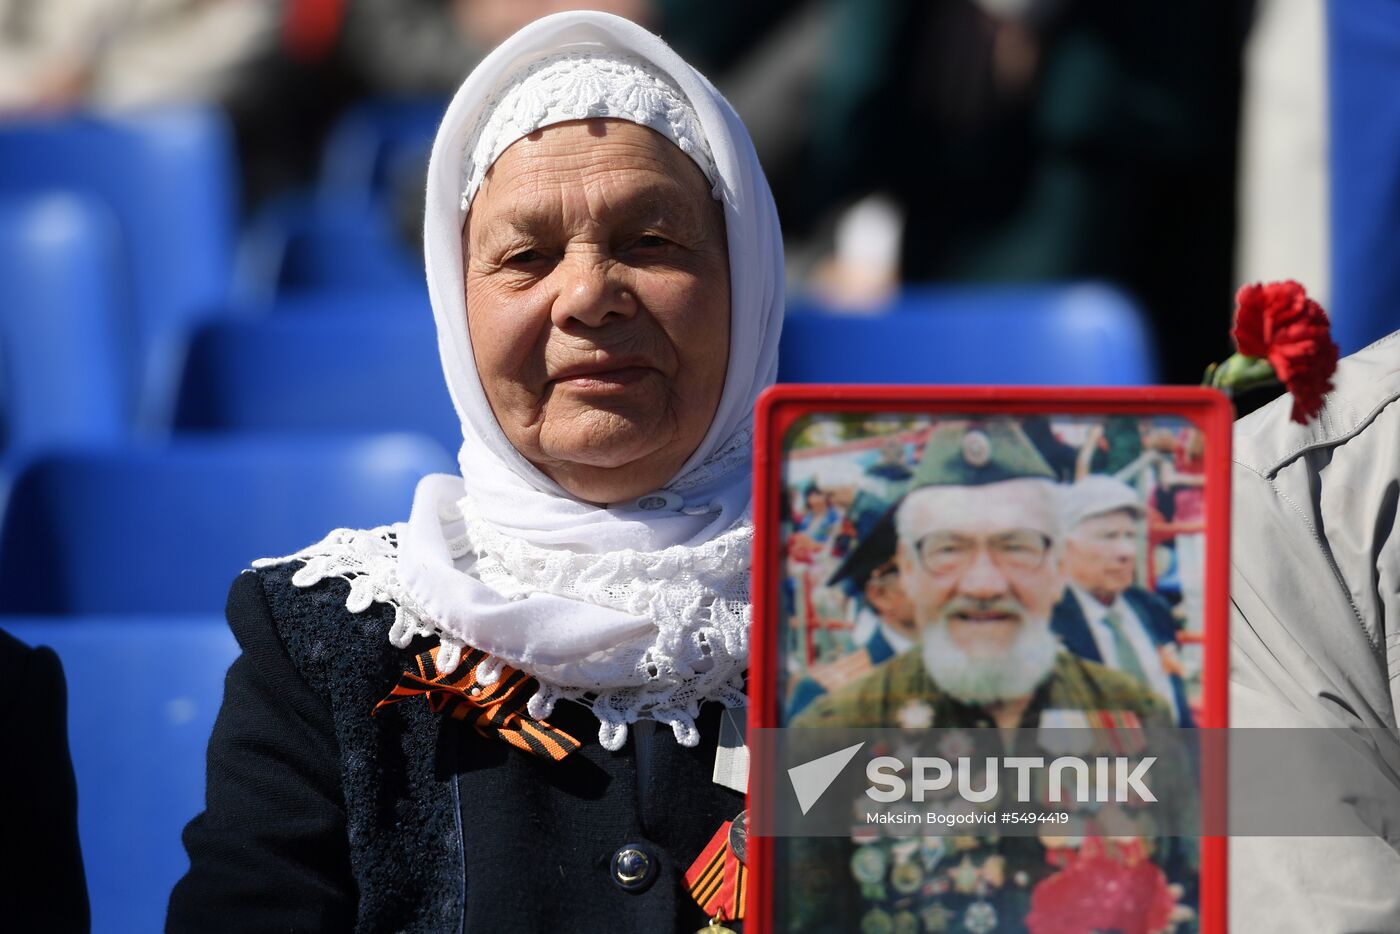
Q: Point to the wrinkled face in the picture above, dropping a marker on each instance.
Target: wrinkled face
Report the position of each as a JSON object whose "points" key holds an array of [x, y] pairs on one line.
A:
{"points": [[1100, 553], [597, 279], [981, 561]]}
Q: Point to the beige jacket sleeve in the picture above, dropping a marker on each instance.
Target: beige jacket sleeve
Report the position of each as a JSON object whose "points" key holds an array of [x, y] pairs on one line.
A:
{"points": [[1315, 640]]}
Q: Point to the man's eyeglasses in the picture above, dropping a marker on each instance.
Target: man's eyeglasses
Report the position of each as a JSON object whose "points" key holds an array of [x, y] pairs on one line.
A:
{"points": [[1019, 550]]}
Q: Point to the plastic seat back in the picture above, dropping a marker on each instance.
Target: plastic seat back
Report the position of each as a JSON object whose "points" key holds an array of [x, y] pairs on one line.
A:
{"points": [[142, 697], [318, 372], [406, 303], [1044, 335], [166, 530], [373, 142], [298, 244], [168, 176], [66, 379]]}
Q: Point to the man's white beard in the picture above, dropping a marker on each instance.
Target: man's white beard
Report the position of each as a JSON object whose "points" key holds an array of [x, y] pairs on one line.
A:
{"points": [[1014, 673]]}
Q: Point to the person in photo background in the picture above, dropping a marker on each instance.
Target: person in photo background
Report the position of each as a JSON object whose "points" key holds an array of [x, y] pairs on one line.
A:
{"points": [[1105, 616], [882, 618]]}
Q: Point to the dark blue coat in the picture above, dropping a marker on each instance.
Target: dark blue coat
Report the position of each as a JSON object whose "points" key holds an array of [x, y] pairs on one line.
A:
{"points": [[320, 817], [1069, 623]]}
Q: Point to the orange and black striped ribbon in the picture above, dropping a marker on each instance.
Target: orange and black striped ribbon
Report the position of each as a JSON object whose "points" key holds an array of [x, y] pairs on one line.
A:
{"points": [[717, 880], [495, 710]]}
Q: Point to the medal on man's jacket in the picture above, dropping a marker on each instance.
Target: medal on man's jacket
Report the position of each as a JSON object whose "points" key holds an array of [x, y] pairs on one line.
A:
{"points": [[718, 879]]}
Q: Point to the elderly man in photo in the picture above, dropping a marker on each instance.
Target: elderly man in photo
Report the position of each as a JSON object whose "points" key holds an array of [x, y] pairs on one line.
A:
{"points": [[1104, 616], [978, 546], [979, 553]]}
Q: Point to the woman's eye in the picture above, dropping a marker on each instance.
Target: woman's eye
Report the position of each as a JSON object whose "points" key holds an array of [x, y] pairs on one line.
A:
{"points": [[525, 256], [651, 240]]}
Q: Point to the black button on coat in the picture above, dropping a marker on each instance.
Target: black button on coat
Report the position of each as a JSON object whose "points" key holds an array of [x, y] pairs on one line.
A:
{"points": [[320, 817]]}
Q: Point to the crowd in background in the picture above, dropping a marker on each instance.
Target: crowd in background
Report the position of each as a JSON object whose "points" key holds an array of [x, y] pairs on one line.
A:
{"points": [[1134, 505], [906, 140]]}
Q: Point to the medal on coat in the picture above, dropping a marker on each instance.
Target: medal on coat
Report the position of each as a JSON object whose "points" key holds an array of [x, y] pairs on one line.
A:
{"points": [[931, 851], [906, 922], [980, 918], [1064, 732], [877, 921], [964, 877], [935, 918], [718, 879], [868, 864], [739, 837], [915, 715], [1118, 730], [907, 877]]}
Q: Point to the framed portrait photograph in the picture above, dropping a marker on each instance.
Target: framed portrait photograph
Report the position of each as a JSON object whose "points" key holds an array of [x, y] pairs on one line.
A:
{"points": [[1003, 612]]}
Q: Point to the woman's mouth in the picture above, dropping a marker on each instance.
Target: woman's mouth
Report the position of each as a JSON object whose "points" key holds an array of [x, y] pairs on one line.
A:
{"points": [[594, 380]]}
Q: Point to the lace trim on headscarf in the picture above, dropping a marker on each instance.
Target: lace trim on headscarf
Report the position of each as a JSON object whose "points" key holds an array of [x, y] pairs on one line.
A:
{"points": [[698, 654]]}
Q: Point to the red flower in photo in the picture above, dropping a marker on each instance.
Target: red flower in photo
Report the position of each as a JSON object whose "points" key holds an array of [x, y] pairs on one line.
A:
{"points": [[1278, 322], [1096, 893]]}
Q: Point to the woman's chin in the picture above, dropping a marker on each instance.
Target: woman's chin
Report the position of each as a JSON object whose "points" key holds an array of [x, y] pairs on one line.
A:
{"points": [[604, 486], [608, 438], [612, 467]]}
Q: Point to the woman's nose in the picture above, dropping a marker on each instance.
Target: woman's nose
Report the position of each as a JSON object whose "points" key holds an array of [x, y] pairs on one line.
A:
{"points": [[590, 293]]}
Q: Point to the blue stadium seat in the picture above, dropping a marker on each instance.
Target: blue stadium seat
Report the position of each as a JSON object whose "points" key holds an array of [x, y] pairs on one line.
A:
{"points": [[373, 142], [298, 244], [342, 236], [1042, 335], [1363, 158], [406, 303], [142, 696], [165, 530], [168, 177], [65, 377], [318, 372]]}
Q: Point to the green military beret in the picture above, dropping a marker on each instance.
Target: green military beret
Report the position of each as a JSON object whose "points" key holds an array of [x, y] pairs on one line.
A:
{"points": [[977, 452]]}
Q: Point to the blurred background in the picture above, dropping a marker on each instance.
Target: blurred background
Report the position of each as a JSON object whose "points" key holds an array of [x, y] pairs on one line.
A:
{"points": [[215, 342]]}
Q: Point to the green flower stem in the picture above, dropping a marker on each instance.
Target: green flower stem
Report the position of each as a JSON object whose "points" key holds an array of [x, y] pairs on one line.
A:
{"points": [[1240, 374]]}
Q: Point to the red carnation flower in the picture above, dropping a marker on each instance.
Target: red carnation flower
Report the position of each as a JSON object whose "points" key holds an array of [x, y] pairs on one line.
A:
{"points": [[1096, 893], [1280, 323]]}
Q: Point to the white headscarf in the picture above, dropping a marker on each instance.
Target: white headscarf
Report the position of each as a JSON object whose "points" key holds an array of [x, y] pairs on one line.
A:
{"points": [[641, 608]]}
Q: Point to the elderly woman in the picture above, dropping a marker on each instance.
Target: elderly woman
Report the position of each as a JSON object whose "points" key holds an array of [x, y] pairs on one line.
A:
{"points": [[451, 723]]}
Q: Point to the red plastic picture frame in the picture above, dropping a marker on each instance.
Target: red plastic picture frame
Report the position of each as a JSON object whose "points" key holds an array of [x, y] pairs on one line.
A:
{"points": [[780, 406]]}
